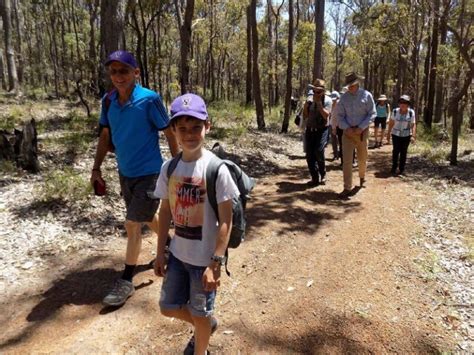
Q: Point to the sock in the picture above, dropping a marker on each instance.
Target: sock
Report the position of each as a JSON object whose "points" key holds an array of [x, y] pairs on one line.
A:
{"points": [[128, 272]]}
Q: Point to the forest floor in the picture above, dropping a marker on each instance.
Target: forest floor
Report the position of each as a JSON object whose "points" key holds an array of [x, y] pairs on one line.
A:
{"points": [[387, 271]]}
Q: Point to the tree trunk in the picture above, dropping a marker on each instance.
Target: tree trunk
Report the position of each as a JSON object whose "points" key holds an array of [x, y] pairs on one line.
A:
{"points": [[471, 120], [248, 84], [19, 22], [185, 33], [443, 29], [26, 147], [428, 119], [318, 44], [5, 9], [112, 23], [271, 55], [2, 71], [289, 69], [256, 72], [92, 56]]}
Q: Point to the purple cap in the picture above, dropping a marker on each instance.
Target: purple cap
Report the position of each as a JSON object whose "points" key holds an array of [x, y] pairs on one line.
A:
{"points": [[123, 57], [189, 105]]}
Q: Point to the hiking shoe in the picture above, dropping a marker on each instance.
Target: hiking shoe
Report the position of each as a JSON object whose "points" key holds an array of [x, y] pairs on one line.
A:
{"points": [[362, 182], [189, 350], [119, 294], [312, 183], [345, 194]]}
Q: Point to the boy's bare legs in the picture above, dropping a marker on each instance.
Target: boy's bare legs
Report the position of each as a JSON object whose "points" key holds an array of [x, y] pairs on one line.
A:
{"points": [[202, 327], [202, 334], [182, 313]]}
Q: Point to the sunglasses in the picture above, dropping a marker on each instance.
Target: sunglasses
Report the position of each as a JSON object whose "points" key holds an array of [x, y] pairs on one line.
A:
{"points": [[121, 71]]}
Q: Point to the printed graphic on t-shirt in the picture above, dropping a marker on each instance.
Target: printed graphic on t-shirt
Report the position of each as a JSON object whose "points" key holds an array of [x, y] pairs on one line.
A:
{"points": [[187, 196]]}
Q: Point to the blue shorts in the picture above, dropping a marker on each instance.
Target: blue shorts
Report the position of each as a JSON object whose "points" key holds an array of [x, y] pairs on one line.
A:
{"points": [[182, 287]]}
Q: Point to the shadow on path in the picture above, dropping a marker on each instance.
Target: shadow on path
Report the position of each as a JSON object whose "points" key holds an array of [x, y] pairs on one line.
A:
{"points": [[79, 288]]}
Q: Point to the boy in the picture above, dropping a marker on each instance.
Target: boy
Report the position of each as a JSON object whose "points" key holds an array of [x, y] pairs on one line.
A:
{"points": [[197, 250]]}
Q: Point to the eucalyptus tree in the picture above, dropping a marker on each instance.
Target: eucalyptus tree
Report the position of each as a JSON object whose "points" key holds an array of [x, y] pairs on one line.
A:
{"points": [[256, 72], [318, 44], [184, 18], [6, 13], [289, 68]]}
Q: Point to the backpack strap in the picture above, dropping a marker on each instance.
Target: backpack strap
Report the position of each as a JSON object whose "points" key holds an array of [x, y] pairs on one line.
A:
{"points": [[212, 172], [173, 164]]}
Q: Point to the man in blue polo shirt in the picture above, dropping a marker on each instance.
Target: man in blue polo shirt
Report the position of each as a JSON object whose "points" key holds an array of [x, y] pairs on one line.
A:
{"points": [[130, 120]]}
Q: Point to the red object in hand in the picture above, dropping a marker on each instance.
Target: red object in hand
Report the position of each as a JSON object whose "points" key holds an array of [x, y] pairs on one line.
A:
{"points": [[99, 187]]}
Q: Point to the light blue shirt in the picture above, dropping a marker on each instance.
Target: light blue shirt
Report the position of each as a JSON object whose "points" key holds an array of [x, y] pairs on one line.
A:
{"points": [[356, 110]]}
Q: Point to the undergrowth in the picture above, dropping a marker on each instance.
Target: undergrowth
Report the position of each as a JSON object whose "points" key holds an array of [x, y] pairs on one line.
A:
{"points": [[66, 185]]}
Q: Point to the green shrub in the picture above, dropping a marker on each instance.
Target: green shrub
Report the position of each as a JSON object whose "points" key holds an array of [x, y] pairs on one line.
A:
{"points": [[65, 185], [7, 166], [8, 120]]}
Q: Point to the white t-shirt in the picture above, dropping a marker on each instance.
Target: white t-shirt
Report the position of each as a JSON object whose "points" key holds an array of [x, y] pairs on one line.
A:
{"points": [[195, 222]]}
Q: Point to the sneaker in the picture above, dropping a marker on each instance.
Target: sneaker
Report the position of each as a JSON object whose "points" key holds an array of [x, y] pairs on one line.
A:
{"points": [[312, 183], [121, 291], [355, 165], [189, 350], [323, 180], [345, 194]]}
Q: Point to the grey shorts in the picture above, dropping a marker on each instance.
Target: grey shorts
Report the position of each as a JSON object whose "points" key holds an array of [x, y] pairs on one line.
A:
{"points": [[136, 192]]}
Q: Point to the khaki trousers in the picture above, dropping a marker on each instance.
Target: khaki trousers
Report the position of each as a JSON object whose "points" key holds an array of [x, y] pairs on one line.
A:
{"points": [[349, 143]]}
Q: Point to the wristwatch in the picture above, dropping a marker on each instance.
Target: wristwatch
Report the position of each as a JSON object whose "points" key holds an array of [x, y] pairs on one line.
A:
{"points": [[219, 259]]}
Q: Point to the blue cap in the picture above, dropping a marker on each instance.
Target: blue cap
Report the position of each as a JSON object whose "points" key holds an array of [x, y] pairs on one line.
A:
{"points": [[123, 57]]}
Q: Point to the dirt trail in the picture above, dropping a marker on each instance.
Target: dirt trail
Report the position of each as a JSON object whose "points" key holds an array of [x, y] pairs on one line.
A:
{"points": [[316, 275]]}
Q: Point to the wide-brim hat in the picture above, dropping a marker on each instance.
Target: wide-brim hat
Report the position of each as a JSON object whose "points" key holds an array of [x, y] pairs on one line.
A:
{"points": [[404, 99], [382, 98], [352, 79], [319, 84]]}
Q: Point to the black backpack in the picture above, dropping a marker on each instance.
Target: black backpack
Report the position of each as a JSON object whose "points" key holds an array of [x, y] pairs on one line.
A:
{"points": [[107, 101], [245, 185]]}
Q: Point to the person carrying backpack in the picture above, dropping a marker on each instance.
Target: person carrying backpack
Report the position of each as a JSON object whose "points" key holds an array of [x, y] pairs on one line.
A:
{"points": [[402, 127], [316, 122], [131, 119], [383, 114], [198, 248]]}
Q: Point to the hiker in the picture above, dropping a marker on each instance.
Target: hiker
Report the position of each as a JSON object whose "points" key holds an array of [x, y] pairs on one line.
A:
{"points": [[383, 114], [355, 111], [402, 127], [131, 118], [198, 248], [335, 130], [336, 145], [316, 121]]}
